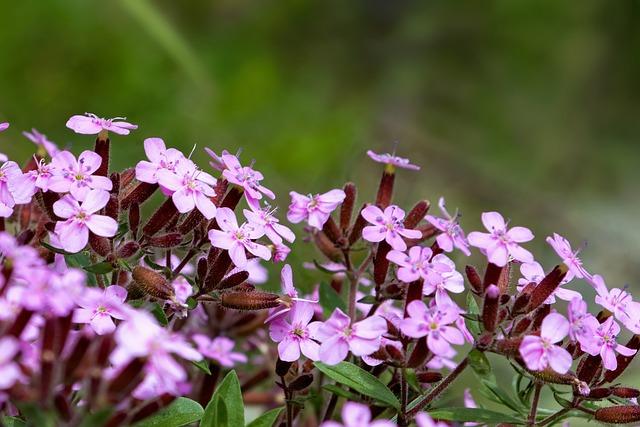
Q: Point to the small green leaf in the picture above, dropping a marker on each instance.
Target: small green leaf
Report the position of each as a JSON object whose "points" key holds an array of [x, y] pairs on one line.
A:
{"points": [[368, 299], [495, 393], [473, 309], [98, 418], [79, 260], [359, 380], [54, 249], [99, 268], [330, 300], [231, 412], [474, 415], [181, 412], [12, 422], [479, 363], [339, 391], [203, 365], [36, 416], [159, 314], [267, 419]]}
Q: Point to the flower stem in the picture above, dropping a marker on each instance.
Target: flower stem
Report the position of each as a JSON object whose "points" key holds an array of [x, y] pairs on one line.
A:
{"points": [[437, 390], [534, 404], [553, 417]]}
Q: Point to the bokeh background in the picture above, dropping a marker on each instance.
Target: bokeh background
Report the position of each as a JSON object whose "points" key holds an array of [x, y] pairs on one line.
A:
{"points": [[528, 107]]}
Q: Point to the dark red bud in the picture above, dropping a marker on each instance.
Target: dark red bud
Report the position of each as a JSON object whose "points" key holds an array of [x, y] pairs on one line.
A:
{"points": [[102, 149], [160, 218], [203, 267], [233, 280], [419, 354], [588, 368], [101, 245], [358, 226], [547, 286], [169, 240], [385, 189], [327, 247], [599, 393], [626, 392], [381, 263], [346, 210], [232, 198], [474, 279], [491, 275], [490, 308], [126, 177], [128, 249], [302, 382], [152, 283], [138, 195], [429, 377], [217, 272], [282, 367], [331, 230], [112, 210], [622, 414], [416, 214], [249, 300], [190, 222], [134, 218]]}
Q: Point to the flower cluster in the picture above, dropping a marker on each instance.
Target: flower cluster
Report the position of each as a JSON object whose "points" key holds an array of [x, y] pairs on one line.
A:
{"points": [[109, 314]]}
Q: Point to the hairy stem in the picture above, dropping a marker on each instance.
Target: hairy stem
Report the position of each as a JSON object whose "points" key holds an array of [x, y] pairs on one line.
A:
{"points": [[437, 390], [534, 404]]}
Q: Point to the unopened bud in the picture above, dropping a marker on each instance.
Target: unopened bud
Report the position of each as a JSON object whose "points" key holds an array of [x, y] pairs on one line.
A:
{"points": [[491, 275], [102, 149], [249, 300], [381, 263], [112, 209], [358, 226], [331, 230], [232, 198], [429, 377], [134, 218], [346, 210], [589, 368], [327, 247], [474, 279], [282, 367], [385, 189], [626, 392], [128, 249], [169, 240], [191, 222], [599, 393], [138, 195], [233, 280], [160, 218], [101, 245], [419, 354], [302, 382], [547, 286], [622, 414], [152, 283], [416, 214], [508, 346], [490, 308]]}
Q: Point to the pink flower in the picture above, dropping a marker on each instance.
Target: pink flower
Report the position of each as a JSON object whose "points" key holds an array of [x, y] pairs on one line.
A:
{"points": [[392, 159], [539, 352], [237, 239], [42, 142], [160, 158], [293, 333], [372, 361], [280, 253], [10, 372], [4, 126], [9, 196], [289, 294], [388, 225], [76, 176], [275, 231], [247, 178], [338, 336], [452, 234], [448, 281], [26, 185], [98, 307], [569, 257], [620, 303], [357, 415], [533, 272], [424, 420], [82, 218], [582, 324], [605, 345], [216, 161], [439, 362], [90, 124], [501, 243], [469, 402], [219, 349], [191, 187], [314, 209], [418, 264], [182, 291], [432, 322]]}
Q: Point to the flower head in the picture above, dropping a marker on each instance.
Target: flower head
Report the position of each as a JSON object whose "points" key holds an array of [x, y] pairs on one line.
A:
{"points": [[452, 234], [569, 256], [532, 272], [98, 308], [293, 334], [392, 159], [247, 178], [76, 176], [237, 239], [434, 323], [388, 226], [357, 415], [338, 336], [501, 243], [191, 188], [582, 324], [160, 158], [314, 209], [264, 218], [43, 144], [9, 194], [90, 124], [219, 349], [540, 352], [605, 344], [82, 218], [4, 126], [10, 371], [416, 264]]}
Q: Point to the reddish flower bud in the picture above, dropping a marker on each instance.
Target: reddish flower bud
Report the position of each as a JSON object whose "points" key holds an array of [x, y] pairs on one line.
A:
{"points": [[416, 214], [63, 407], [589, 368], [101, 245], [102, 149], [190, 222], [599, 393], [134, 219], [202, 268], [385, 189], [429, 377], [474, 279], [232, 198], [623, 361], [419, 354], [327, 247], [491, 275], [331, 230], [346, 210], [547, 286], [249, 300], [217, 272], [622, 414], [112, 209], [358, 226], [381, 263], [302, 382], [233, 280], [508, 346], [626, 392], [490, 308], [127, 176], [152, 283], [138, 194], [169, 240], [128, 249], [163, 215]]}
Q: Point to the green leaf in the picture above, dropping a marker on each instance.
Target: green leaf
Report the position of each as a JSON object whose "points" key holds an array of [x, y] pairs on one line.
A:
{"points": [[79, 260], [203, 365], [54, 249], [267, 419], [181, 412], [225, 407], [360, 380], [474, 415], [100, 268], [12, 422], [473, 309], [36, 416], [368, 299], [479, 363], [495, 393], [341, 392], [330, 300], [98, 418], [159, 314]]}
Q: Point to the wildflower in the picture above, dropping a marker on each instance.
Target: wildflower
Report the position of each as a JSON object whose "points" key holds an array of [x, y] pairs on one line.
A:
{"points": [[289, 294], [448, 280], [98, 308], [247, 178], [620, 303], [432, 322], [500, 242], [191, 188], [314, 209], [4, 126], [160, 158], [43, 144], [569, 257], [387, 226], [182, 290], [452, 234], [275, 231], [293, 334], [424, 420], [10, 371], [384, 342], [357, 415], [539, 352], [582, 324], [216, 161], [604, 344], [76, 176], [532, 272], [26, 185], [280, 253], [237, 239], [82, 218], [392, 159], [52, 293], [219, 349], [9, 172], [416, 264], [442, 361], [90, 124], [338, 336]]}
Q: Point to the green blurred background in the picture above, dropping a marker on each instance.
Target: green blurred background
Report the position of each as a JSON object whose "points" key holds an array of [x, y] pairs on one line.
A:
{"points": [[531, 108]]}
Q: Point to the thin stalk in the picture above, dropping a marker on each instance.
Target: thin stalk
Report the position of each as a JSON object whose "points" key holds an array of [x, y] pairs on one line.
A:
{"points": [[354, 279], [534, 404], [553, 417], [404, 397]]}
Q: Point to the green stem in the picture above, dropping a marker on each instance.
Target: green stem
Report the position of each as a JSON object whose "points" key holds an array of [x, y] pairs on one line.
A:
{"points": [[534, 404]]}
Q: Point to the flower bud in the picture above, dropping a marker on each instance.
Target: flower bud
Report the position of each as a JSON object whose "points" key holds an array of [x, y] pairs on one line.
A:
{"points": [[191, 221], [102, 149], [346, 210], [490, 308], [169, 240], [160, 218], [128, 249], [25, 237], [508, 346], [626, 392], [491, 275], [381, 263], [127, 379], [419, 353], [101, 245], [547, 286], [232, 198], [331, 230], [233, 280], [138, 195], [622, 414], [282, 367], [358, 226], [589, 368], [416, 214], [112, 209], [134, 218], [217, 272], [152, 283], [127, 176], [249, 300], [474, 279], [623, 361], [429, 377], [327, 247], [385, 189], [302, 382], [63, 408]]}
